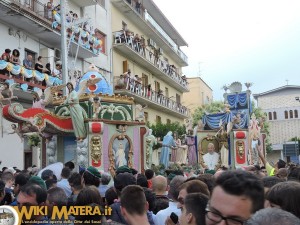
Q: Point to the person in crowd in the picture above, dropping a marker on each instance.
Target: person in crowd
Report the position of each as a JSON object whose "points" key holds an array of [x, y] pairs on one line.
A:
{"points": [[150, 198], [47, 174], [193, 209], [15, 57], [149, 175], [33, 195], [162, 215], [110, 196], [294, 174], [2, 191], [121, 181], [134, 205], [105, 179], [70, 165], [269, 182], [27, 62], [160, 188], [63, 183], [264, 170], [285, 195], [20, 180], [38, 181], [142, 180], [188, 187], [208, 179], [6, 55], [272, 171], [55, 197], [51, 183], [91, 176], [9, 180], [236, 196], [76, 186], [273, 216], [282, 173]]}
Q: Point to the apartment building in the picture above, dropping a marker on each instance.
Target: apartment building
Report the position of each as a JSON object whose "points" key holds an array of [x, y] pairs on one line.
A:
{"points": [[282, 109], [146, 44], [33, 28], [200, 93]]}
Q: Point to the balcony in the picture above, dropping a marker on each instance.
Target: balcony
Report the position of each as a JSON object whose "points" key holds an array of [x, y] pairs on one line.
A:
{"points": [[155, 100], [84, 3], [145, 58], [149, 30], [34, 19]]}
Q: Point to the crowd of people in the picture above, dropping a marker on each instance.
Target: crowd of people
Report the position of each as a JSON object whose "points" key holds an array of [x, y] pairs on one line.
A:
{"points": [[29, 64], [246, 196]]}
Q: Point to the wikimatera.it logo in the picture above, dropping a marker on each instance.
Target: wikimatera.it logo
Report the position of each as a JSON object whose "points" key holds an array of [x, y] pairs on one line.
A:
{"points": [[27, 214]]}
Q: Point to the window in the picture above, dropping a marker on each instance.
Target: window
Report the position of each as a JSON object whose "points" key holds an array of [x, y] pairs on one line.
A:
{"points": [[274, 115], [144, 80], [270, 116], [291, 114], [167, 92], [296, 113], [102, 38], [158, 119], [168, 121], [286, 114], [146, 115]]}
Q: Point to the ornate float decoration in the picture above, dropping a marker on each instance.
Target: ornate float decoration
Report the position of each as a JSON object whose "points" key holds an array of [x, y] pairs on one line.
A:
{"points": [[108, 137]]}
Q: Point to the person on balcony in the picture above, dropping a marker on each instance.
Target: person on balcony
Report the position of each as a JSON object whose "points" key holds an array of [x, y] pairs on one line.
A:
{"points": [[136, 42], [138, 6], [143, 45], [6, 55], [57, 71], [15, 57], [27, 63], [48, 10]]}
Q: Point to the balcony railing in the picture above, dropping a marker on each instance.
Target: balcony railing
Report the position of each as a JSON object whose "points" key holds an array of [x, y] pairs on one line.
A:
{"points": [[133, 86], [28, 79], [151, 23], [152, 57]]}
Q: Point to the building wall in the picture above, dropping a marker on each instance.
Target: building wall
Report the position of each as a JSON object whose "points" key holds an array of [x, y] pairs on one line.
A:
{"points": [[281, 129], [118, 60], [200, 94]]}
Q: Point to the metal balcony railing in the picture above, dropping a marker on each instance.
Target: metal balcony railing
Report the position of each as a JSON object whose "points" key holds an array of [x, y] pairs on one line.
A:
{"points": [[146, 92], [151, 56]]}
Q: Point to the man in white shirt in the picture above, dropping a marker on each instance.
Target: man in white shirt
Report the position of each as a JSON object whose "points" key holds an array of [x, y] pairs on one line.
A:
{"points": [[164, 214], [211, 158]]}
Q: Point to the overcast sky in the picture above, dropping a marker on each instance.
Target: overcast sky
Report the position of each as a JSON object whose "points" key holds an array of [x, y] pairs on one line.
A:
{"points": [[232, 40]]}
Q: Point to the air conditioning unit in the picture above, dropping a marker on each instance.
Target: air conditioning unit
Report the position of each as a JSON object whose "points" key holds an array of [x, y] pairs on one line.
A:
{"points": [[151, 43], [160, 51], [57, 55]]}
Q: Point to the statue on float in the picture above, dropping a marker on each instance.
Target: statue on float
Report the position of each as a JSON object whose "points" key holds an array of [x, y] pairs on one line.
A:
{"points": [[167, 145], [190, 141], [254, 134], [150, 142], [211, 158], [181, 155]]}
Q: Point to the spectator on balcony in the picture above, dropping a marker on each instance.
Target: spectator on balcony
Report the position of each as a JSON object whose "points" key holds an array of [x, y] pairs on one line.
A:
{"points": [[15, 57], [143, 45], [6, 55], [48, 10], [127, 76], [159, 96], [27, 63], [156, 56], [57, 70], [129, 1], [149, 91], [39, 65], [136, 42], [138, 6], [121, 82]]}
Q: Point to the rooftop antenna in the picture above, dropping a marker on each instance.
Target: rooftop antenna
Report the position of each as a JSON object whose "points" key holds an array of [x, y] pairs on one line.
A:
{"points": [[199, 69], [287, 82]]}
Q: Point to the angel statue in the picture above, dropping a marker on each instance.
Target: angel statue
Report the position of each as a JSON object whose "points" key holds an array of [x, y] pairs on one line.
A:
{"points": [[139, 112], [77, 113], [6, 93]]}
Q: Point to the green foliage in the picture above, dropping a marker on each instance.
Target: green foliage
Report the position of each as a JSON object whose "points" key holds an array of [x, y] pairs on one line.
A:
{"points": [[159, 130], [34, 140], [214, 107]]}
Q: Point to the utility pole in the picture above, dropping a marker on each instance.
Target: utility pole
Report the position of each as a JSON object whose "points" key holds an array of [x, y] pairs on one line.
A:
{"points": [[64, 53]]}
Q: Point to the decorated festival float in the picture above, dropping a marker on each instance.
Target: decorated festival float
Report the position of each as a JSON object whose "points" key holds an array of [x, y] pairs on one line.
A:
{"points": [[90, 126], [233, 137]]}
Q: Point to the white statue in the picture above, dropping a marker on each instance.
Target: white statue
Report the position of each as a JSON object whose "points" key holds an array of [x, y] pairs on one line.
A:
{"points": [[120, 156], [150, 142]]}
